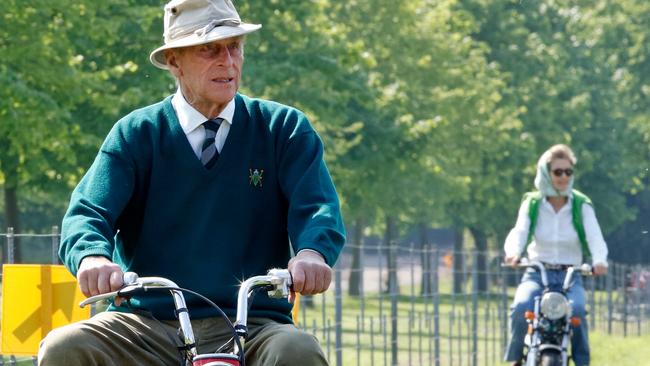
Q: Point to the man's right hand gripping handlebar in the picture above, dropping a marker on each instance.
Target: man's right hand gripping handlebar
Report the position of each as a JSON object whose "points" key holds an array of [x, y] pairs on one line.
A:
{"points": [[130, 281], [98, 275]]}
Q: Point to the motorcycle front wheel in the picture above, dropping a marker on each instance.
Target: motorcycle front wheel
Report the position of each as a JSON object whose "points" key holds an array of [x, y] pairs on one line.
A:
{"points": [[550, 358]]}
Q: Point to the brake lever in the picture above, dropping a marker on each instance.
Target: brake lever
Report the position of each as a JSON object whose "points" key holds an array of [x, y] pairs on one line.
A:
{"points": [[97, 298]]}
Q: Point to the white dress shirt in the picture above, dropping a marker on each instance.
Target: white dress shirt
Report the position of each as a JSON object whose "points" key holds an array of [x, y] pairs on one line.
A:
{"points": [[555, 240], [191, 122]]}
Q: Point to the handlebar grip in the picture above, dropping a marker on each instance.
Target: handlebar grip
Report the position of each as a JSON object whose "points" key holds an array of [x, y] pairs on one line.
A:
{"points": [[129, 278]]}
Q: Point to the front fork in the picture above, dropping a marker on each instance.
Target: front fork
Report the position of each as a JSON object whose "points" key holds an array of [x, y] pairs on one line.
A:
{"points": [[565, 343], [533, 338]]}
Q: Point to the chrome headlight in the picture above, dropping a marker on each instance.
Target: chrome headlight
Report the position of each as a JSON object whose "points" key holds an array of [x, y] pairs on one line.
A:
{"points": [[554, 305]]}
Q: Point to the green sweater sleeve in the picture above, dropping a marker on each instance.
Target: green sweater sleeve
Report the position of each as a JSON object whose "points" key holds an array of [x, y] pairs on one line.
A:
{"points": [[88, 226], [314, 217]]}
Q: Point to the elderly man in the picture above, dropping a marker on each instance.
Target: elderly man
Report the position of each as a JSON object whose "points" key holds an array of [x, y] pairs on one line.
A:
{"points": [[206, 188]]}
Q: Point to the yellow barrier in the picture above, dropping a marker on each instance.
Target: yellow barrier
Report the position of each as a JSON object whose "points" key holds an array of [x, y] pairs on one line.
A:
{"points": [[35, 300]]}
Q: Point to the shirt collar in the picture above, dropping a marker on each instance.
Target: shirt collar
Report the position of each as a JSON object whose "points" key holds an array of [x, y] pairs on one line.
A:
{"points": [[189, 118], [568, 203]]}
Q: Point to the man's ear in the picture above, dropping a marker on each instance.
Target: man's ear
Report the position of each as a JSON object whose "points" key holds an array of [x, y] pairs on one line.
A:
{"points": [[171, 56]]}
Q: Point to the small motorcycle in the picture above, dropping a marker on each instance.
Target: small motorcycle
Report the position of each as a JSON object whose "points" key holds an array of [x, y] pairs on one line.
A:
{"points": [[277, 283], [550, 324]]}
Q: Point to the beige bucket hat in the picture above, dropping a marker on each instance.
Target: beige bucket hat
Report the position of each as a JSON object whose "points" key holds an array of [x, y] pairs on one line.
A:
{"points": [[194, 22]]}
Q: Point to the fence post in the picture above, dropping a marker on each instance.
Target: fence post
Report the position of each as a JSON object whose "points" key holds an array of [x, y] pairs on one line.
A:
{"points": [[323, 311], [503, 312], [10, 245], [591, 297], [55, 244], [637, 300], [339, 317], [623, 275], [475, 289], [436, 306], [380, 292], [362, 295], [393, 303], [609, 278]]}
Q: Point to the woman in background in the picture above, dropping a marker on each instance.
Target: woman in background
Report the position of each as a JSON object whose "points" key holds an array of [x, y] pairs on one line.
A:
{"points": [[546, 232]]}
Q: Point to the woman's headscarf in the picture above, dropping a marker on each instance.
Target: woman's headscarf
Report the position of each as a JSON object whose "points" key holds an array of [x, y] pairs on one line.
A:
{"points": [[543, 180]]}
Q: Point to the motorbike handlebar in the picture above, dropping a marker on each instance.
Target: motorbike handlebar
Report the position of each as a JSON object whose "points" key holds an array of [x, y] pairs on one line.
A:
{"points": [[584, 269], [278, 282]]}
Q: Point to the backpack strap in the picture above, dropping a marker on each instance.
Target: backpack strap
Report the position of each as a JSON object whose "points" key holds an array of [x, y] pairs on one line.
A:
{"points": [[579, 199], [533, 198]]}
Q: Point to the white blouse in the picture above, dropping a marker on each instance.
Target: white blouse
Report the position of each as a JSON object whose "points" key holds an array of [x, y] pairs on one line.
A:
{"points": [[555, 240]]}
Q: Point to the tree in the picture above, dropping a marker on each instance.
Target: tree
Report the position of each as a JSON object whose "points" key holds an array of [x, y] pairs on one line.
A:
{"points": [[39, 74], [65, 85]]}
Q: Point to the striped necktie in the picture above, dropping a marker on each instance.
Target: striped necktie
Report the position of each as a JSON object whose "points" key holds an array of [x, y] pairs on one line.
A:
{"points": [[209, 152]]}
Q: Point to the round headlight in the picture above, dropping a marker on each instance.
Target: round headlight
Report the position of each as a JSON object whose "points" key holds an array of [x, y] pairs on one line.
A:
{"points": [[554, 305]]}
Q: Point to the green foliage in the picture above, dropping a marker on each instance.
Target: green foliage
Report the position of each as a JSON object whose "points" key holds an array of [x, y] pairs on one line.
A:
{"points": [[569, 70], [67, 77]]}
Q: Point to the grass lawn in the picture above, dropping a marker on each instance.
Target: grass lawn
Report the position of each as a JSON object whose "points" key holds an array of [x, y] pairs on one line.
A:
{"points": [[22, 361], [618, 351], [362, 346]]}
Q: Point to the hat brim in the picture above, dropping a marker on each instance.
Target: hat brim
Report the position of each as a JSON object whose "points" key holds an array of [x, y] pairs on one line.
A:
{"points": [[157, 57]]}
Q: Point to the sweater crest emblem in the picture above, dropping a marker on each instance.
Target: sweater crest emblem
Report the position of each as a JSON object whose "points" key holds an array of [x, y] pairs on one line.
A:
{"points": [[255, 177]]}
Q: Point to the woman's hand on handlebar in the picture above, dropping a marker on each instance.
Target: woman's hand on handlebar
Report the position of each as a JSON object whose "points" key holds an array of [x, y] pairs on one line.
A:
{"points": [[599, 269], [310, 274], [513, 260], [98, 275]]}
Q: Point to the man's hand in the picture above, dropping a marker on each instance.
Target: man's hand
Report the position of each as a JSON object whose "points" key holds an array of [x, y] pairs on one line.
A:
{"points": [[599, 269], [98, 275], [513, 260], [311, 275]]}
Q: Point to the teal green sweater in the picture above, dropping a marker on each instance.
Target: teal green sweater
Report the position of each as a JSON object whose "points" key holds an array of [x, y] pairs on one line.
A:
{"points": [[149, 204]]}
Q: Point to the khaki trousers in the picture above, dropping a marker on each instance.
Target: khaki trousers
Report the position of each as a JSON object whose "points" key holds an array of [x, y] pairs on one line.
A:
{"points": [[123, 339]]}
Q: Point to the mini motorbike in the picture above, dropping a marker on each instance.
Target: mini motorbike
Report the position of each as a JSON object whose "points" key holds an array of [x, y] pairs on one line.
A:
{"points": [[277, 283], [551, 321]]}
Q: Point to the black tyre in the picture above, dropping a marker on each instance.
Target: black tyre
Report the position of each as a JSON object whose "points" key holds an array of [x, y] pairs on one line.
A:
{"points": [[551, 358]]}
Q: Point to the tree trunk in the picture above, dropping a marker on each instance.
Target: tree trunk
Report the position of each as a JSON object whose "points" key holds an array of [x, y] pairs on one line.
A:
{"points": [[356, 272], [12, 220], [480, 240], [457, 262], [425, 260], [391, 255]]}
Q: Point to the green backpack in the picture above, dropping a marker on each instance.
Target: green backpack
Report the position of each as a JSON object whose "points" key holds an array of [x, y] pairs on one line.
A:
{"points": [[579, 198]]}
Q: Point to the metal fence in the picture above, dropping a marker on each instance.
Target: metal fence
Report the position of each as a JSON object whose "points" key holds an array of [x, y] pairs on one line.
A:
{"points": [[408, 323], [400, 304]]}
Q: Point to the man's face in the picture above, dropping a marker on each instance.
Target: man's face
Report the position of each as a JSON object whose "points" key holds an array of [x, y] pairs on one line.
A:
{"points": [[209, 74]]}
